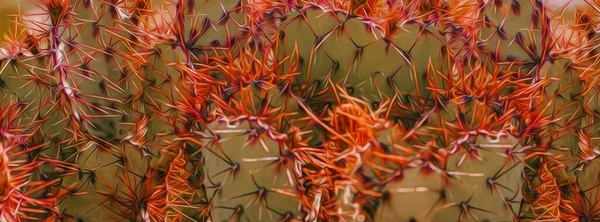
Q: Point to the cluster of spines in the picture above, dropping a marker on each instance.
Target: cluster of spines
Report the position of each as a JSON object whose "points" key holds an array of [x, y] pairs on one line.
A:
{"points": [[140, 90]]}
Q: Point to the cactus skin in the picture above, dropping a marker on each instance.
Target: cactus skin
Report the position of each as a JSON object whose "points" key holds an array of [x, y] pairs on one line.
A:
{"points": [[299, 110]]}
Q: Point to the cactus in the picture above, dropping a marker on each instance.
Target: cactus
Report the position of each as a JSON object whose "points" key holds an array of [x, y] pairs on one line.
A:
{"points": [[297, 110]]}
